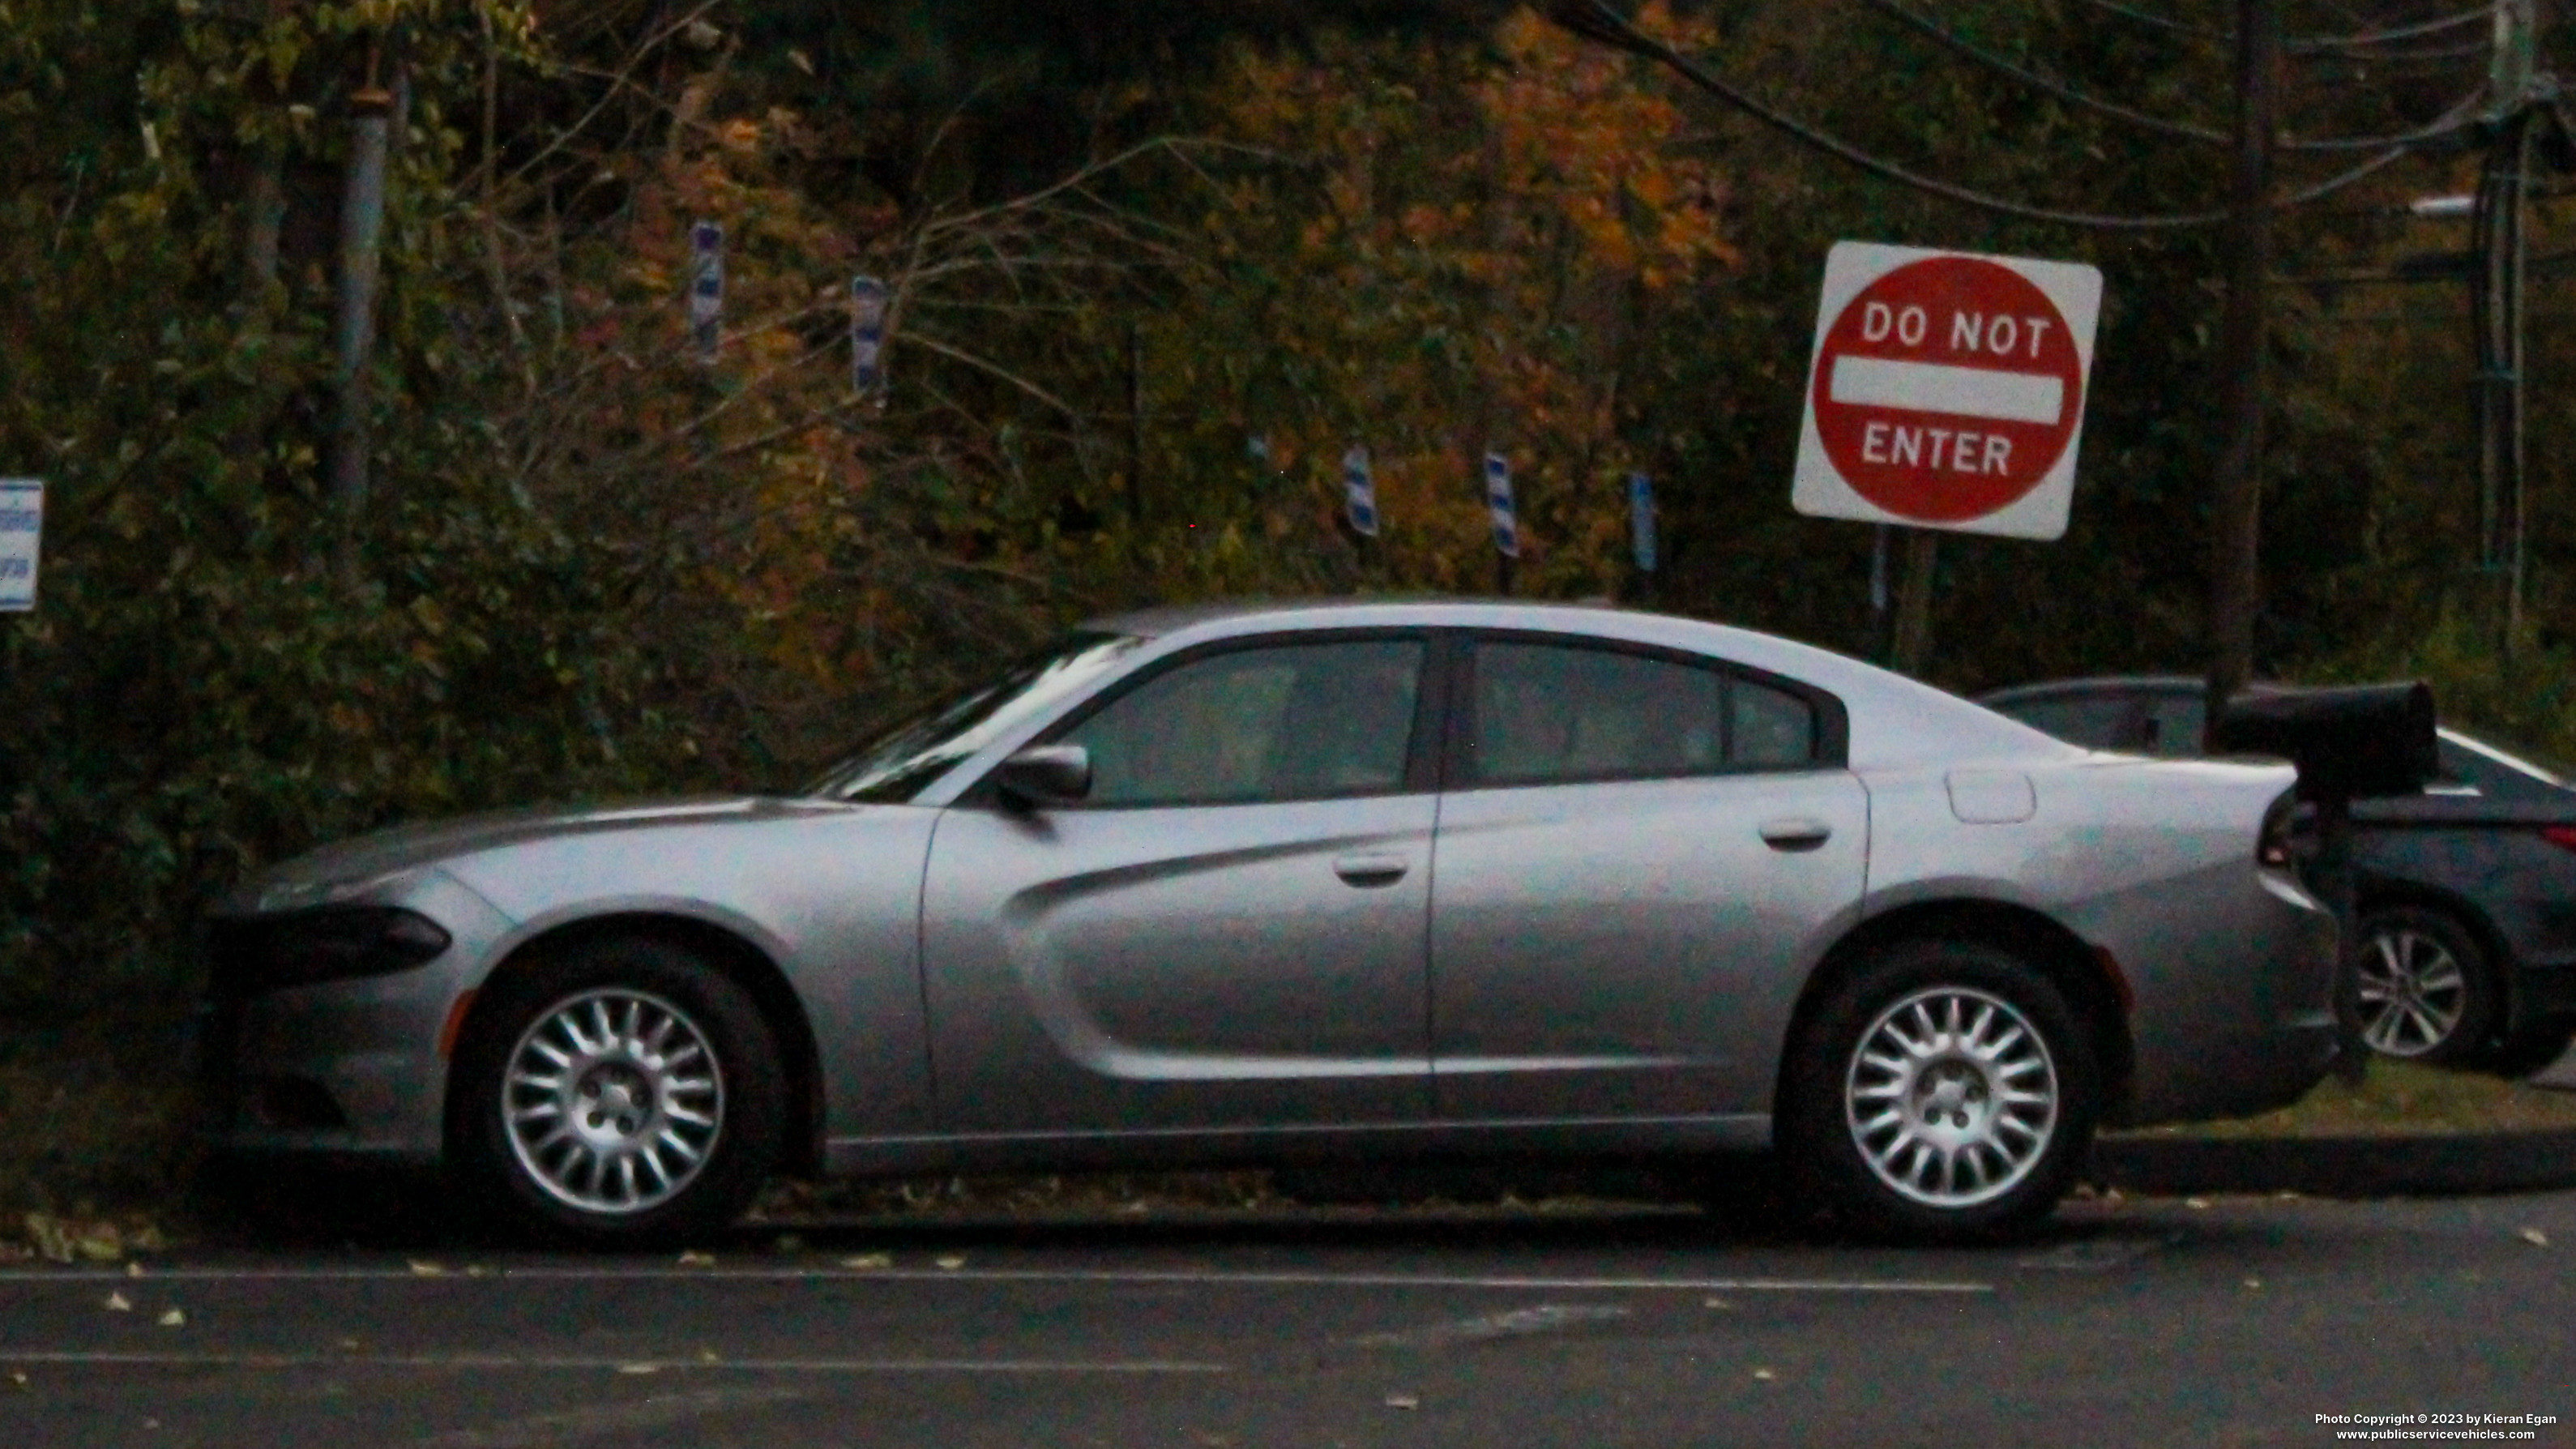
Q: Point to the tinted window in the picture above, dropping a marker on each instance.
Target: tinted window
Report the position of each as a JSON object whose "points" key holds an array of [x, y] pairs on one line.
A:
{"points": [[2174, 724], [1289, 722], [908, 757], [2096, 721], [1546, 712]]}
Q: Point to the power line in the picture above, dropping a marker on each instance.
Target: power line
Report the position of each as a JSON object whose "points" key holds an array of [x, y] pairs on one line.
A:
{"points": [[2304, 45], [1595, 21], [2004, 65], [1950, 40]]}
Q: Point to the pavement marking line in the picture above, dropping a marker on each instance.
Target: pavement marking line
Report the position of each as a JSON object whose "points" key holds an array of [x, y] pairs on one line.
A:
{"points": [[660, 1411], [599, 1363], [1519, 1323], [1209, 1277]]}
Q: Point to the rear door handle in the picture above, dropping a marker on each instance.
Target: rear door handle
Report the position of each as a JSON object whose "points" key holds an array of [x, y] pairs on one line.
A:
{"points": [[1795, 832], [1369, 869]]}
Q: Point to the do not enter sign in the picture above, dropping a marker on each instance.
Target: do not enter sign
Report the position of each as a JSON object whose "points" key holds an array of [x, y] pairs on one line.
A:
{"points": [[1947, 390]]}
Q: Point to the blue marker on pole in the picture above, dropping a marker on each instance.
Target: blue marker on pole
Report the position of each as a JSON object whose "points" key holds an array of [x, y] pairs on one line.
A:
{"points": [[706, 289], [22, 535], [867, 336], [1641, 520], [1359, 489], [1498, 502]]}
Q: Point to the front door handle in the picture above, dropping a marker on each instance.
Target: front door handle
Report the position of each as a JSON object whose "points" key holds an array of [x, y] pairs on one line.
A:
{"points": [[1366, 870], [1795, 832]]}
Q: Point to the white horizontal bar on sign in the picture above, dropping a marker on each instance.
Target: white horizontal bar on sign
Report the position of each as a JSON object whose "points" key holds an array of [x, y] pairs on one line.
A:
{"points": [[1931, 387]]}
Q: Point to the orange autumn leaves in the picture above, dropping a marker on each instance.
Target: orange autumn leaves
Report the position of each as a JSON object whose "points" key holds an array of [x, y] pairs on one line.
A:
{"points": [[1473, 248]]}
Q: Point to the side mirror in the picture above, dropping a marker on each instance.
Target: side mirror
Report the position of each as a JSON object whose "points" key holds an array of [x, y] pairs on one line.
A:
{"points": [[1042, 774]]}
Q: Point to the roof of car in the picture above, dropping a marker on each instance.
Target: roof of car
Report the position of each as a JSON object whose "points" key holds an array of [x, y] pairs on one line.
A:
{"points": [[1172, 618]]}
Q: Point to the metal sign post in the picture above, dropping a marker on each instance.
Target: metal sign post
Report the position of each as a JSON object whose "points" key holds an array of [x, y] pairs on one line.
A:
{"points": [[22, 527]]}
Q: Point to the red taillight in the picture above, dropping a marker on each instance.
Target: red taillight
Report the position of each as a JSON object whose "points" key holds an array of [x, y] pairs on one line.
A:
{"points": [[2562, 836], [2273, 845]]}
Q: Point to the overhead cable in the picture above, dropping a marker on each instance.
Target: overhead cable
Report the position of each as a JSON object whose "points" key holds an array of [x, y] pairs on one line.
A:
{"points": [[1925, 26], [2301, 45], [1596, 21]]}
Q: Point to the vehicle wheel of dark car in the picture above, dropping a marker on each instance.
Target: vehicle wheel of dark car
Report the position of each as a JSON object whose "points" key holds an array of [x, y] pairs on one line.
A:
{"points": [[624, 1093], [2426, 993], [1945, 1090]]}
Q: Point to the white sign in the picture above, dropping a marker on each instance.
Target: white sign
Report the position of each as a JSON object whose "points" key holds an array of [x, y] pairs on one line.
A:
{"points": [[22, 532], [1947, 390]]}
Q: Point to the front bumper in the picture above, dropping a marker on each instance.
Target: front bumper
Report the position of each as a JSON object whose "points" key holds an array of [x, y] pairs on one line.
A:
{"points": [[348, 1068]]}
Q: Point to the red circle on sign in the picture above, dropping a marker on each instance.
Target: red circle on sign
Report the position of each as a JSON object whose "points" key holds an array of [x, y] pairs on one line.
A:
{"points": [[1947, 389]]}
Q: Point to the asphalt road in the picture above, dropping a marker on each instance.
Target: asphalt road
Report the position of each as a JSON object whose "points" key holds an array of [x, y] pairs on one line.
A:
{"points": [[2235, 1322]]}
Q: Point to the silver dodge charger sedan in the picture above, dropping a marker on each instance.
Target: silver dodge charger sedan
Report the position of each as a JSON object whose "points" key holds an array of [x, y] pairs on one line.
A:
{"points": [[1324, 880]]}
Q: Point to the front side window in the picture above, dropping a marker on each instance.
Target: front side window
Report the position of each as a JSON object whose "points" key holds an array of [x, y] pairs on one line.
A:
{"points": [[1547, 713], [1280, 722], [905, 759]]}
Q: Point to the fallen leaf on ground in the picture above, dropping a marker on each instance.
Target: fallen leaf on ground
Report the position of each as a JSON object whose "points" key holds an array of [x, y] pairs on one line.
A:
{"points": [[695, 1259], [1404, 1401], [102, 1244], [639, 1368], [869, 1260], [2195, 1202], [1765, 1375], [951, 1262], [348, 1343], [708, 1355], [2253, 1282], [1715, 1303], [133, 1270], [116, 1303], [173, 1318], [420, 1269], [2535, 1237], [17, 1379]]}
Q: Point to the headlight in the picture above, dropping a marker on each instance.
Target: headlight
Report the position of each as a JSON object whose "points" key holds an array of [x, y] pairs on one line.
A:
{"points": [[328, 943]]}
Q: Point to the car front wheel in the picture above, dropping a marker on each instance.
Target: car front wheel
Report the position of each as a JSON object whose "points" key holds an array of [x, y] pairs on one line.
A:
{"points": [[1945, 1090], [625, 1093]]}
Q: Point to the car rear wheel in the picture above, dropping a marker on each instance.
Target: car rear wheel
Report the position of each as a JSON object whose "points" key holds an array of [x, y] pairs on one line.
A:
{"points": [[1943, 1091], [625, 1093], [2424, 989]]}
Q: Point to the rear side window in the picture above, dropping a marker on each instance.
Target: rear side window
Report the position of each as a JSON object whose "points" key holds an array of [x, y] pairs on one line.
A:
{"points": [[2096, 721], [2174, 724], [1552, 713]]}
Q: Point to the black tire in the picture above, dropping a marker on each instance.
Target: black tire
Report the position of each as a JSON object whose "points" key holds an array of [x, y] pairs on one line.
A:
{"points": [[2409, 943], [1979, 1164], [635, 1098]]}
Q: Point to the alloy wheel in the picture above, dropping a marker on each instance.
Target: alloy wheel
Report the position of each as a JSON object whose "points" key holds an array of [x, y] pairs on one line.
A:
{"points": [[1952, 1097], [2413, 992], [613, 1100]]}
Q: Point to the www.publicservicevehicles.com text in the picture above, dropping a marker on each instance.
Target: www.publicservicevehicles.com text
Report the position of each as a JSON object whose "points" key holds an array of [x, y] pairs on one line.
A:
{"points": [[2443, 1427]]}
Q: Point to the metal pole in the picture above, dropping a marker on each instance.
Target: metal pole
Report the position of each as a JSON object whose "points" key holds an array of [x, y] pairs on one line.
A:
{"points": [[2235, 576]]}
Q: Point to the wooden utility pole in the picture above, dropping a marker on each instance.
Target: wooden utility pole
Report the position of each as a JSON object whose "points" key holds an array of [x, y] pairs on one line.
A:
{"points": [[2503, 200], [362, 229], [2236, 506], [1913, 645]]}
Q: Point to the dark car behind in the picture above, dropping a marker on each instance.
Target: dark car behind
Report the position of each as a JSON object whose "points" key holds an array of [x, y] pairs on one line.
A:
{"points": [[2467, 892]]}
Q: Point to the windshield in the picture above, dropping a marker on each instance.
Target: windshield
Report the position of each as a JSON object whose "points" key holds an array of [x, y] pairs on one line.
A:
{"points": [[905, 759]]}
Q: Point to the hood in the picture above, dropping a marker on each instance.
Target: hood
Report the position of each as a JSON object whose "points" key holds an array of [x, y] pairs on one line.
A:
{"points": [[343, 868]]}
